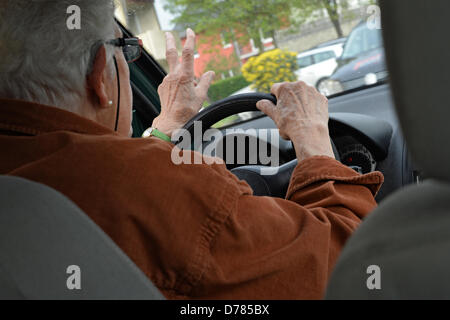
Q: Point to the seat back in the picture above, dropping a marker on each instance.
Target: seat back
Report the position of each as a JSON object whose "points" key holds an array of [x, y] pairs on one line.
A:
{"points": [[50, 249], [407, 241], [401, 251]]}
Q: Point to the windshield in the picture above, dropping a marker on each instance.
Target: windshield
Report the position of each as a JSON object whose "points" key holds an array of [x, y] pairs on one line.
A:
{"points": [[335, 46]]}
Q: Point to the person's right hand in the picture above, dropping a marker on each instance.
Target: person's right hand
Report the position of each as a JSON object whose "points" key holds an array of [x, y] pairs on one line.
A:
{"points": [[301, 115], [181, 96]]}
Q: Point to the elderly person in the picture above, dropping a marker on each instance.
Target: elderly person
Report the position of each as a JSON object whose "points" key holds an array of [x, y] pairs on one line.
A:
{"points": [[195, 230]]}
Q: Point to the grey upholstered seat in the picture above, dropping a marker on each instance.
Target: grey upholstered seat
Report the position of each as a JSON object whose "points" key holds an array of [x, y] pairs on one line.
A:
{"points": [[408, 236], [42, 233]]}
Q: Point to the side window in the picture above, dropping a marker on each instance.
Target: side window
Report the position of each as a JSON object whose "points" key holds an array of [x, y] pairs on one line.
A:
{"points": [[324, 56], [304, 62]]}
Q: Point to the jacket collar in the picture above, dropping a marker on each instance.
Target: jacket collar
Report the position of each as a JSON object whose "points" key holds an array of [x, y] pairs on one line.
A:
{"points": [[30, 118]]}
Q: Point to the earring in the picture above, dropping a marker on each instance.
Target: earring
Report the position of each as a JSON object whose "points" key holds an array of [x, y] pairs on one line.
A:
{"points": [[110, 103]]}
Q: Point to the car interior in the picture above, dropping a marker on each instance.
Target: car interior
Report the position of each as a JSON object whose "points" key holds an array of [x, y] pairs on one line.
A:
{"points": [[398, 127]]}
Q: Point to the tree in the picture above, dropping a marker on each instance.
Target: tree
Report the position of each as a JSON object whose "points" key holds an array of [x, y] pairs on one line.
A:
{"points": [[241, 20], [334, 9]]}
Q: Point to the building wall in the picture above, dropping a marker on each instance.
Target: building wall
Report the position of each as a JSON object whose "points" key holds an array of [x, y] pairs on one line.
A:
{"points": [[207, 51], [303, 42], [150, 31], [143, 21], [318, 31]]}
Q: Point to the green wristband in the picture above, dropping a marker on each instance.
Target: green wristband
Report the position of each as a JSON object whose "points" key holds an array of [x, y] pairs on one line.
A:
{"points": [[156, 133]]}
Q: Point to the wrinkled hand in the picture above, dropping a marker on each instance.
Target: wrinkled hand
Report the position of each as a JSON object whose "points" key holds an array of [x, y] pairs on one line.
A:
{"points": [[301, 115], [181, 97]]}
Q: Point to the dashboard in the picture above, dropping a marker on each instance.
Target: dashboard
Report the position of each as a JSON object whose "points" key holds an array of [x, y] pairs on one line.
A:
{"points": [[355, 155]]}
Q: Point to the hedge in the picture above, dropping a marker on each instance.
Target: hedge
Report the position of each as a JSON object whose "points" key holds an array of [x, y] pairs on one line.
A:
{"points": [[269, 68], [223, 88]]}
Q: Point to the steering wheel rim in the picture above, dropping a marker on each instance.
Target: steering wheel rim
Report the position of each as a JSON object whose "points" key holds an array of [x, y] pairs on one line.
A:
{"points": [[263, 185], [227, 107]]}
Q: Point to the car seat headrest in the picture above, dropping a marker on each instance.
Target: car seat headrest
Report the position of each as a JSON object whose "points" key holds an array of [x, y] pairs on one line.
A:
{"points": [[419, 64]]}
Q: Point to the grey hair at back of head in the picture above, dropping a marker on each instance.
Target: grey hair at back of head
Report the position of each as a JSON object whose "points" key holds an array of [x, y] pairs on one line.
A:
{"points": [[41, 60]]}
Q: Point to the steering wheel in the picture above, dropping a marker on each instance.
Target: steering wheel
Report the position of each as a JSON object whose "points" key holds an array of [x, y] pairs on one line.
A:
{"points": [[274, 185]]}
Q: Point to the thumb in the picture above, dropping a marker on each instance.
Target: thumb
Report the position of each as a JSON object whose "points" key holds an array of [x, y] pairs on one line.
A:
{"points": [[266, 106], [204, 83]]}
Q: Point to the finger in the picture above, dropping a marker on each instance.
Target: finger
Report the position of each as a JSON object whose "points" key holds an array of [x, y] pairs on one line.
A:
{"points": [[204, 84], [284, 136], [301, 83], [187, 64], [171, 52], [267, 107], [275, 90]]}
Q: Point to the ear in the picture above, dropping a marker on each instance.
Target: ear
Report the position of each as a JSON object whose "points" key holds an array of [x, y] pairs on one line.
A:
{"points": [[97, 79]]}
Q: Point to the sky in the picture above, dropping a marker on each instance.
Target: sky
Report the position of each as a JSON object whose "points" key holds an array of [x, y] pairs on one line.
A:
{"points": [[163, 16]]}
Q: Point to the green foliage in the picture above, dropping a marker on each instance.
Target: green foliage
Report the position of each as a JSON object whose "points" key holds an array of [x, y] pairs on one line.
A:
{"points": [[242, 20], [243, 17], [269, 68], [223, 88], [334, 9]]}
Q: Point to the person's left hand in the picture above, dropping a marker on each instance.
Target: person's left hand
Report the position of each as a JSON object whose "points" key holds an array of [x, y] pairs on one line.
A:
{"points": [[181, 97]]}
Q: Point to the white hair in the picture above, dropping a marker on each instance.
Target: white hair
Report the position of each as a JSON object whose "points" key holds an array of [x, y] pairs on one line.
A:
{"points": [[41, 60]]}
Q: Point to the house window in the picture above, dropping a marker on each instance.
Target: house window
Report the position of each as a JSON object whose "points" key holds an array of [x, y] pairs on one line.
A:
{"points": [[226, 39], [254, 51], [266, 37]]}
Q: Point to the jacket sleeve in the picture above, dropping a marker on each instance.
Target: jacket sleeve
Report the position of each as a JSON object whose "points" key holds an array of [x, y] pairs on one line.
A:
{"points": [[271, 248]]}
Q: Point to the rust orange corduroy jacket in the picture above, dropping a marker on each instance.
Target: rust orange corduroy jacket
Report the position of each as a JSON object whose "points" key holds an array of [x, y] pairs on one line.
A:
{"points": [[195, 230]]}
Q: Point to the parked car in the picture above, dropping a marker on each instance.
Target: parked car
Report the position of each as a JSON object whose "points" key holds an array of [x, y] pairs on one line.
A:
{"points": [[362, 62], [318, 64], [331, 43]]}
